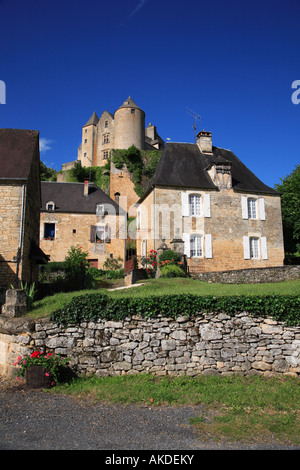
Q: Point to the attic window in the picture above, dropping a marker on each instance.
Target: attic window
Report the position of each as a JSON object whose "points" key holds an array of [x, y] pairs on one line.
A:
{"points": [[100, 209], [50, 206]]}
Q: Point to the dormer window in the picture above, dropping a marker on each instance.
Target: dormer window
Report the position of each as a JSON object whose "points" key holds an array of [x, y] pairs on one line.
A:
{"points": [[100, 210], [50, 206]]}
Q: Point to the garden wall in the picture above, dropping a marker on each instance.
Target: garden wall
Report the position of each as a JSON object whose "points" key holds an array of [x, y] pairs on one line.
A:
{"points": [[252, 276], [212, 343]]}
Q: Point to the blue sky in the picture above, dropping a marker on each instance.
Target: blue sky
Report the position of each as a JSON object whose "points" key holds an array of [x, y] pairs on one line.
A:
{"points": [[232, 63]]}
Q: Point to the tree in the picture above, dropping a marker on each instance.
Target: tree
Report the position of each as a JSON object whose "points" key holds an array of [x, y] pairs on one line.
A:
{"points": [[290, 204], [47, 174]]}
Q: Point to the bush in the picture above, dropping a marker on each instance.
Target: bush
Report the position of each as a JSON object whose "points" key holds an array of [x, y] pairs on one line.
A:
{"points": [[169, 255], [96, 306], [171, 270]]}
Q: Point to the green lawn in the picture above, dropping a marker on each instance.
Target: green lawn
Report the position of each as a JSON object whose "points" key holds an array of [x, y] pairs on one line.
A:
{"points": [[161, 286]]}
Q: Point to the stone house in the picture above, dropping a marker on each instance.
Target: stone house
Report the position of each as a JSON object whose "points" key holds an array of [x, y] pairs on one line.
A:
{"points": [[81, 214], [20, 201], [205, 200]]}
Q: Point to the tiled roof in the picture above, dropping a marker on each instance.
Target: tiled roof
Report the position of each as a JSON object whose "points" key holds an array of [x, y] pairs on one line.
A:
{"points": [[17, 149]]}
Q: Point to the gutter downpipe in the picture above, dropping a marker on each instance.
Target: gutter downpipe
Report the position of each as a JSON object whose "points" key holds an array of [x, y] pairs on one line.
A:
{"points": [[19, 253]]}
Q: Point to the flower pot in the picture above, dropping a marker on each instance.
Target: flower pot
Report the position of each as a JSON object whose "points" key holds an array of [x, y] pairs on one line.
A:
{"points": [[38, 377]]}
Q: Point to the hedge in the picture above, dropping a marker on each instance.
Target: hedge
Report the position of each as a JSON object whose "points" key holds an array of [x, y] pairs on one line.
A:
{"points": [[91, 307]]}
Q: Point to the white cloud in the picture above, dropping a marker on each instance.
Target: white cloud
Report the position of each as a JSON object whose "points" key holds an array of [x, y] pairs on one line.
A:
{"points": [[45, 144], [138, 7]]}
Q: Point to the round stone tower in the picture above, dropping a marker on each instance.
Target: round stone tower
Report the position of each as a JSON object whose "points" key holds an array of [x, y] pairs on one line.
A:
{"points": [[129, 126]]}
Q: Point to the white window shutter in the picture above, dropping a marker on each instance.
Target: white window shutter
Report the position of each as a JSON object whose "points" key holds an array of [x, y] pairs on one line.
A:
{"points": [[246, 248], [206, 205], [208, 246], [186, 239], [244, 207], [185, 204], [264, 249], [262, 212]]}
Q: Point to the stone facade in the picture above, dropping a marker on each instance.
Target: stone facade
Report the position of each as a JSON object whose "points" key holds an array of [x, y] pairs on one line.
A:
{"points": [[19, 209], [211, 343], [73, 229], [225, 216]]}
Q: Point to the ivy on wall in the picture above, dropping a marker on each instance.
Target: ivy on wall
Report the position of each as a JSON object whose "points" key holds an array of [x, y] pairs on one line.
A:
{"points": [[140, 163]]}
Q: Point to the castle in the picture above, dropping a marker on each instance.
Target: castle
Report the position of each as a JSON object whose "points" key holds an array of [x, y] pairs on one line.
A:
{"points": [[124, 128], [121, 130]]}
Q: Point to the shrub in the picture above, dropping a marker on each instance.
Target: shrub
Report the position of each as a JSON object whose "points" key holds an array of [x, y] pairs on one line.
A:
{"points": [[95, 306], [76, 262], [169, 255], [171, 270]]}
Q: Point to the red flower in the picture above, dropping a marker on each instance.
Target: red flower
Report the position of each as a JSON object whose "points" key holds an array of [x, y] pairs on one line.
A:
{"points": [[35, 354]]}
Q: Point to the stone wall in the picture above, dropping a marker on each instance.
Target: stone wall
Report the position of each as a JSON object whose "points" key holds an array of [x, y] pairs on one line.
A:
{"points": [[252, 276], [211, 343]]}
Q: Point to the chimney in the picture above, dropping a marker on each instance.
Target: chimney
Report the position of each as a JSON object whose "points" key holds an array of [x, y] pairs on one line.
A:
{"points": [[86, 188], [204, 141]]}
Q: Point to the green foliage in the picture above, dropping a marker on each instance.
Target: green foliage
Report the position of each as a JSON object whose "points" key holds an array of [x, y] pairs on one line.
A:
{"points": [[113, 264], [171, 270], [141, 164], [97, 174], [47, 174], [169, 255], [93, 306], [290, 204], [76, 262]]}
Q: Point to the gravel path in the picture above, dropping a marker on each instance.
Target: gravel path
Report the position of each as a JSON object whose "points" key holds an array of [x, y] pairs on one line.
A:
{"points": [[36, 420]]}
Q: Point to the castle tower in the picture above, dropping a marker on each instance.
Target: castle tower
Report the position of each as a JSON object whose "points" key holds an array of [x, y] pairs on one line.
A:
{"points": [[129, 126], [89, 135]]}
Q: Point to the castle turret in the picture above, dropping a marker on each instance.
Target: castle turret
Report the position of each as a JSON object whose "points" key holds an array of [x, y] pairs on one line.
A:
{"points": [[129, 126], [89, 135]]}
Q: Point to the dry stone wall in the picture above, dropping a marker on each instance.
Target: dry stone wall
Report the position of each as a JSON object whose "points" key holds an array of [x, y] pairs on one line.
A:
{"points": [[213, 343]]}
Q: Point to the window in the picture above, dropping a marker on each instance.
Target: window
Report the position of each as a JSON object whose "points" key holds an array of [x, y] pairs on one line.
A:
{"points": [[50, 206], [254, 252], [253, 208], [195, 204], [132, 111], [85, 141], [99, 234], [106, 138], [106, 124], [196, 246], [252, 212], [100, 210], [49, 231], [105, 154]]}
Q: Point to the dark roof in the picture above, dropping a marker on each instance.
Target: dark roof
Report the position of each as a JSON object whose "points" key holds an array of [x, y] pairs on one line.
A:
{"points": [[69, 197], [17, 149], [93, 120], [183, 165], [129, 103]]}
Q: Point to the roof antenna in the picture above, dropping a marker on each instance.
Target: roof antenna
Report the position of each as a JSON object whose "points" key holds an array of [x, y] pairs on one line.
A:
{"points": [[196, 116]]}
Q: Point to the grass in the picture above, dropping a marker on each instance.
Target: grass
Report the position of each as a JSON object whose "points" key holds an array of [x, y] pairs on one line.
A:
{"points": [[248, 409], [44, 307]]}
